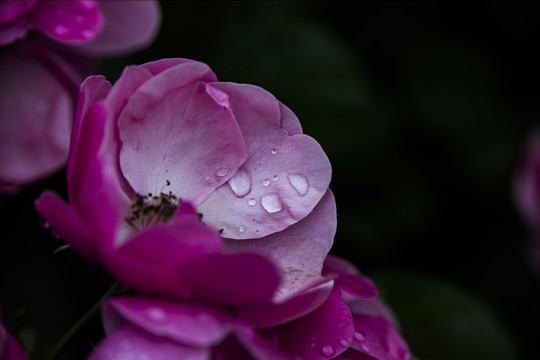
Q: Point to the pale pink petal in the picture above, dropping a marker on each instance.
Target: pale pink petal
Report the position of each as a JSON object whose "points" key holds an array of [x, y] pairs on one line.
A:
{"points": [[322, 334], [67, 224], [129, 25], [302, 303], [300, 250], [129, 342], [283, 179], [174, 130], [187, 323], [35, 121], [70, 22]]}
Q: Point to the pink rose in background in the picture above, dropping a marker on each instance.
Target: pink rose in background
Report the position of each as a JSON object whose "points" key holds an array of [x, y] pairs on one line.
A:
{"points": [[9, 348], [527, 195], [49, 47]]}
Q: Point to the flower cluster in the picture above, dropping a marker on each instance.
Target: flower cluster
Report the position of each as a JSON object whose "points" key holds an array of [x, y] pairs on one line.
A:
{"points": [[208, 200], [48, 47]]}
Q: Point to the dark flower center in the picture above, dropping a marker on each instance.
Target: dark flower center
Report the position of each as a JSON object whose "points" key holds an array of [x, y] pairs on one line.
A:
{"points": [[150, 209]]}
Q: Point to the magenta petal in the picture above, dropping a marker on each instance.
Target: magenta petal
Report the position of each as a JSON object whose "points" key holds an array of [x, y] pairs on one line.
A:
{"points": [[375, 336], [190, 324], [300, 250], [237, 280], [9, 348], [283, 179], [129, 342], [261, 348], [150, 260], [13, 9], [322, 334], [349, 279], [67, 224], [70, 22], [35, 119], [130, 25], [173, 130], [302, 303]]}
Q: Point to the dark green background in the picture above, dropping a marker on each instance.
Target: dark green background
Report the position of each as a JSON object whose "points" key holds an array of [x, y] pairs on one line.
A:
{"points": [[423, 111]]}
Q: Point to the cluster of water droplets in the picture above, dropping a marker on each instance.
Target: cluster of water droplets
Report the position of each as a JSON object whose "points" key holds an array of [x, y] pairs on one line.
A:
{"points": [[361, 337], [81, 30], [327, 349], [241, 185]]}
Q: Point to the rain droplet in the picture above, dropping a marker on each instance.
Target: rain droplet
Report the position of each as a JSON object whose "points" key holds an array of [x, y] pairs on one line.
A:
{"points": [[299, 183], [365, 348], [328, 350], [241, 228], [252, 202], [266, 182], [314, 338], [312, 345], [275, 177], [240, 183], [343, 342], [359, 336], [207, 179], [156, 314], [80, 19], [271, 203], [61, 29], [87, 33], [274, 151], [222, 172]]}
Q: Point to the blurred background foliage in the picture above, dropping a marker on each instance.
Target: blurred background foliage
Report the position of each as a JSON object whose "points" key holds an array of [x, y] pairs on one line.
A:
{"points": [[423, 110]]}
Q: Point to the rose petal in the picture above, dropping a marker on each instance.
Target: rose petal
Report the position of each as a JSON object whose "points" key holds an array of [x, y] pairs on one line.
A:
{"points": [[323, 333], [129, 342], [35, 121], [349, 279], [173, 130], [283, 179], [70, 22], [130, 25], [298, 251]]}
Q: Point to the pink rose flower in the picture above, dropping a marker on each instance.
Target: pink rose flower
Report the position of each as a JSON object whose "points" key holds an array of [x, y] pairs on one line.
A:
{"points": [[49, 47], [168, 130], [9, 348]]}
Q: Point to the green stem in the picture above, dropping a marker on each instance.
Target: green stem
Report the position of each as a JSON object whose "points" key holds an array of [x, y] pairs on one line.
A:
{"points": [[81, 324]]}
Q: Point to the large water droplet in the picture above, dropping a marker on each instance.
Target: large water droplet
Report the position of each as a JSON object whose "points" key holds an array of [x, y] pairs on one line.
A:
{"points": [[343, 342], [271, 203], [252, 202], [241, 228], [328, 350], [240, 183], [266, 182], [359, 336], [299, 183], [222, 172]]}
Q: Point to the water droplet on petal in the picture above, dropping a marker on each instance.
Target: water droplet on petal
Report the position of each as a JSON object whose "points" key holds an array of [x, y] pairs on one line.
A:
{"points": [[275, 177], [359, 336], [207, 179], [299, 183], [312, 345], [240, 183], [343, 342], [222, 172], [60, 29], [314, 338], [80, 19], [266, 182], [252, 202], [241, 228], [328, 350], [274, 151], [271, 203], [87, 33], [365, 348]]}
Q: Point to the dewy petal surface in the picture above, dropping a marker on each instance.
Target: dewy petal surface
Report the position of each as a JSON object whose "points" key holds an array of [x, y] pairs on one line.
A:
{"points": [[284, 177], [173, 130], [34, 121], [300, 250], [130, 25], [70, 22]]}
